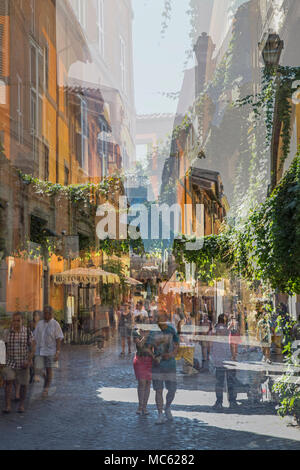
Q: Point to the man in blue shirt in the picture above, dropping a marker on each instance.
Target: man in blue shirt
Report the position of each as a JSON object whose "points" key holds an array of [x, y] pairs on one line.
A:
{"points": [[164, 344]]}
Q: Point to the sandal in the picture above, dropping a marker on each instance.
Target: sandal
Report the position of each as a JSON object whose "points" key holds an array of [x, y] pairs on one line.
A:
{"points": [[6, 412], [139, 412], [146, 412], [21, 410], [45, 393]]}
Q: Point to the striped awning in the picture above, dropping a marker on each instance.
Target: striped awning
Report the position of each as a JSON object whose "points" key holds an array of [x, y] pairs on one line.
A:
{"points": [[85, 276]]}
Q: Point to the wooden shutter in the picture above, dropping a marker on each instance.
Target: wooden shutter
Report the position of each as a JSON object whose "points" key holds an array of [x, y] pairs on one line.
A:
{"points": [[3, 8]]}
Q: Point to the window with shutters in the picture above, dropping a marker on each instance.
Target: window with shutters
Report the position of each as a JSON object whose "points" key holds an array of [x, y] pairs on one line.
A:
{"points": [[3, 38], [3, 7], [46, 169], [4, 47], [78, 148], [47, 67], [103, 149], [67, 176], [84, 132], [19, 110], [36, 89]]}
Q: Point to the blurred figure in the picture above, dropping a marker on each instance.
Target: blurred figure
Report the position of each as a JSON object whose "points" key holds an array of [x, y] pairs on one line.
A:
{"points": [[69, 317], [36, 316], [220, 353], [263, 333], [234, 335], [125, 328], [140, 314], [2, 359], [142, 365], [20, 349], [245, 319], [176, 318], [276, 335], [112, 321], [101, 321], [164, 344], [205, 330], [48, 336], [153, 311]]}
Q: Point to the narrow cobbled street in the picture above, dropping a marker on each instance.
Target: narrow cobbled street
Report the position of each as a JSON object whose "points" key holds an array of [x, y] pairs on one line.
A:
{"points": [[93, 401]]}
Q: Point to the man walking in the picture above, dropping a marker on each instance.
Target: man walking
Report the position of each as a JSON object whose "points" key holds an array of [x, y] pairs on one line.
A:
{"points": [[220, 353], [20, 348], [140, 314], [48, 336], [165, 344]]}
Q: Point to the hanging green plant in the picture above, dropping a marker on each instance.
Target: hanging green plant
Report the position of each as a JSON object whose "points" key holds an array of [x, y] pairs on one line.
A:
{"points": [[121, 247], [76, 193]]}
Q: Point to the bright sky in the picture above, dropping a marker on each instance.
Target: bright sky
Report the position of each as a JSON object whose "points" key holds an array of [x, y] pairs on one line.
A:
{"points": [[158, 62]]}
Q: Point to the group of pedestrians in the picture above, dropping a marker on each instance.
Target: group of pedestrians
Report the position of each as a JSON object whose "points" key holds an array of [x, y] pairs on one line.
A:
{"points": [[223, 350], [155, 361], [33, 351], [30, 352], [220, 344]]}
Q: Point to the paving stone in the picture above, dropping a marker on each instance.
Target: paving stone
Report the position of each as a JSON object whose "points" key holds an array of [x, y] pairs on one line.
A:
{"points": [[93, 401]]}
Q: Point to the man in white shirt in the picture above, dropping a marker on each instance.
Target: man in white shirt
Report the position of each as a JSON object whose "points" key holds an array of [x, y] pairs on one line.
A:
{"points": [[48, 336], [140, 314]]}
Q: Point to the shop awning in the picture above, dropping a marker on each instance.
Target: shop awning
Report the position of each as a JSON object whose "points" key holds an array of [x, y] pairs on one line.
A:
{"points": [[132, 282], [85, 276]]}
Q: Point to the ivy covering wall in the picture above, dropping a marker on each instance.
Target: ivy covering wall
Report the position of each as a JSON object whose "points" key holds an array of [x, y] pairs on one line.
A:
{"points": [[263, 247]]}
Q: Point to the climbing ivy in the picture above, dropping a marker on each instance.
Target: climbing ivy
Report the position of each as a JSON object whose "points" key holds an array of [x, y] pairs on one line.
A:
{"points": [[265, 246], [214, 254], [277, 86]]}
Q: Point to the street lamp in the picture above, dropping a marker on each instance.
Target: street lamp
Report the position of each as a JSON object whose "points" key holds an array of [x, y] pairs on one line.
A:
{"points": [[271, 50]]}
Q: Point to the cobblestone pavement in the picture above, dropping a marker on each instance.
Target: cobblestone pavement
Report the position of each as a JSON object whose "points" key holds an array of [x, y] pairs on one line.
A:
{"points": [[93, 401]]}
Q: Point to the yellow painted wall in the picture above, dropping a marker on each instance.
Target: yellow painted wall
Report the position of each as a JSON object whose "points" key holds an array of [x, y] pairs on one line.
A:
{"points": [[24, 295], [56, 265]]}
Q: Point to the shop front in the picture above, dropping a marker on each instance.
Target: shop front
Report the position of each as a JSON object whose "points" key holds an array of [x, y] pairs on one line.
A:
{"points": [[82, 286]]}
